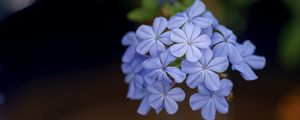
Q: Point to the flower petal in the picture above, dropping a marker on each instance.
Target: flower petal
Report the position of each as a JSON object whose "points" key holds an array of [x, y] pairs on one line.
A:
{"points": [[178, 36], [212, 80], [159, 25], [156, 101], [130, 39], [193, 80], [145, 32], [145, 46], [179, 50], [203, 90], [220, 50], [176, 94], [208, 112], [202, 22], [218, 64], [208, 31], [170, 105], [234, 55], [212, 17], [165, 38], [193, 54], [191, 32], [156, 48], [197, 101], [196, 9], [152, 64], [225, 31], [207, 55], [176, 73], [144, 106], [191, 67], [203, 41], [129, 54], [255, 62], [225, 89], [177, 20], [247, 48], [221, 104], [217, 38], [245, 70], [155, 75], [166, 58]]}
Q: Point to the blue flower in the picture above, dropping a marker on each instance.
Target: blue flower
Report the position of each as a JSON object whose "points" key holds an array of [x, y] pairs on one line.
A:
{"points": [[159, 70], [136, 83], [191, 16], [162, 96], [223, 43], [249, 61], [144, 106], [189, 42], [134, 66], [211, 101], [205, 71], [152, 38]]}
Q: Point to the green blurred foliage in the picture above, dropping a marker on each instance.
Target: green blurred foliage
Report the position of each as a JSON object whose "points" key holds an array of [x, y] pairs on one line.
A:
{"points": [[289, 44]]}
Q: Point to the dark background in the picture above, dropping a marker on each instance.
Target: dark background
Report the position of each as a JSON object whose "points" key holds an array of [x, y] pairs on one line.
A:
{"points": [[60, 59]]}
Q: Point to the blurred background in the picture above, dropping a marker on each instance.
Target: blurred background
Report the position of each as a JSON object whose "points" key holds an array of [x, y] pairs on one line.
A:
{"points": [[60, 59]]}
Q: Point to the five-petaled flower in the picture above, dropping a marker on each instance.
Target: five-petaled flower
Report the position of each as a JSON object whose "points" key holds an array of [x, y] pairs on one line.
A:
{"points": [[205, 71], [255, 62], [153, 38], [192, 16], [159, 69], [189, 41], [162, 96], [223, 43], [211, 101]]}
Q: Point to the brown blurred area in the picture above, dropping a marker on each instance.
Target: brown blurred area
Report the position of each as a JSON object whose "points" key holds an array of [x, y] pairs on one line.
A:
{"points": [[100, 94]]}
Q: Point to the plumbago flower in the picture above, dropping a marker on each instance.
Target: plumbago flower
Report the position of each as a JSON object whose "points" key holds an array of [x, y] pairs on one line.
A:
{"points": [[191, 46]]}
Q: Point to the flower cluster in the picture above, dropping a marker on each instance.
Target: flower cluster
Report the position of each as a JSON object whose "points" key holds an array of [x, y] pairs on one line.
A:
{"points": [[192, 47]]}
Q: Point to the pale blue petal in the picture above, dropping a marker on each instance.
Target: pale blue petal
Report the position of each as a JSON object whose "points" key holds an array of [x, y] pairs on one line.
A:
{"points": [[196, 9], [191, 67], [202, 22], [176, 73], [193, 54], [212, 81], [208, 112], [203, 90], [145, 46], [225, 89], [129, 54], [232, 38], [255, 62], [179, 50], [156, 88], [221, 50], [234, 55], [245, 70], [212, 17], [208, 31], [203, 41], [217, 38], [247, 48], [177, 21], [145, 32], [156, 101], [225, 31], [129, 77], [207, 55], [193, 80], [152, 64], [156, 48], [165, 38], [178, 36], [221, 104], [170, 105], [166, 58], [126, 68], [130, 39], [218, 64], [135, 86], [159, 25], [153, 76], [191, 32], [197, 101], [144, 106], [176, 94]]}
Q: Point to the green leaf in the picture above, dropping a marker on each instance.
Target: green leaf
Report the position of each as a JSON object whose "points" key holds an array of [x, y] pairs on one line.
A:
{"points": [[141, 14], [150, 4]]}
